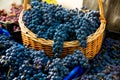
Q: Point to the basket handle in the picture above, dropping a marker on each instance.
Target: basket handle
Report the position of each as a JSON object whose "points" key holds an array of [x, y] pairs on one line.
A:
{"points": [[101, 11], [25, 4]]}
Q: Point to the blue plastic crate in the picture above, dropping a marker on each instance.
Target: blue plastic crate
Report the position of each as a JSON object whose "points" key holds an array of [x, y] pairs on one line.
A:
{"points": [[75, 73], [5, 32]]}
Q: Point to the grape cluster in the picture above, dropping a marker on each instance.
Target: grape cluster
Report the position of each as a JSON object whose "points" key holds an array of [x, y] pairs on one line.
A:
{"points": [[59, 38], [5, 43], [87, 25], [76, 59], [56, 70], [39, 59], [59, 24], [50, 32]]}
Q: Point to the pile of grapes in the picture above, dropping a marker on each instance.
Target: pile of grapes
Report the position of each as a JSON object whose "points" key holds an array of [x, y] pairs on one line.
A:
{"points": [[13, 15], [10, 19], [3, 15], [110, 73], [56, 23], [20, 63], [109, 56]]}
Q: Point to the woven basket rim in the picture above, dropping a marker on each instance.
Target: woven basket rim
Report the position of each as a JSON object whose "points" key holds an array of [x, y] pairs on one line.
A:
{"points": [[74, 43]]}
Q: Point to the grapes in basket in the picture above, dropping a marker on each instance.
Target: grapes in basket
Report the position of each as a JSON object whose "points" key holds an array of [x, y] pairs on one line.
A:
{"points": [[53, 22]]}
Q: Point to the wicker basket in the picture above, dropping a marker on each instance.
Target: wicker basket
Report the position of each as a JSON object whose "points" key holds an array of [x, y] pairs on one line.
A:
{"points": [[94, 41]]}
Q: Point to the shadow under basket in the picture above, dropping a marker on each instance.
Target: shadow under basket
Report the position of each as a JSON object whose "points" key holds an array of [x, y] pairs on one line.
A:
{"points": [[94, 41]]}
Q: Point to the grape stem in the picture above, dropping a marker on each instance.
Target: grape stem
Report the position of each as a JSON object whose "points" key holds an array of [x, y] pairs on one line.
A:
{"points": [[10, 69]]}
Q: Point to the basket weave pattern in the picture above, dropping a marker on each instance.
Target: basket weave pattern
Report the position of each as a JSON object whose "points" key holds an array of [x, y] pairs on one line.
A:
{"points": [[94, 41]]}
